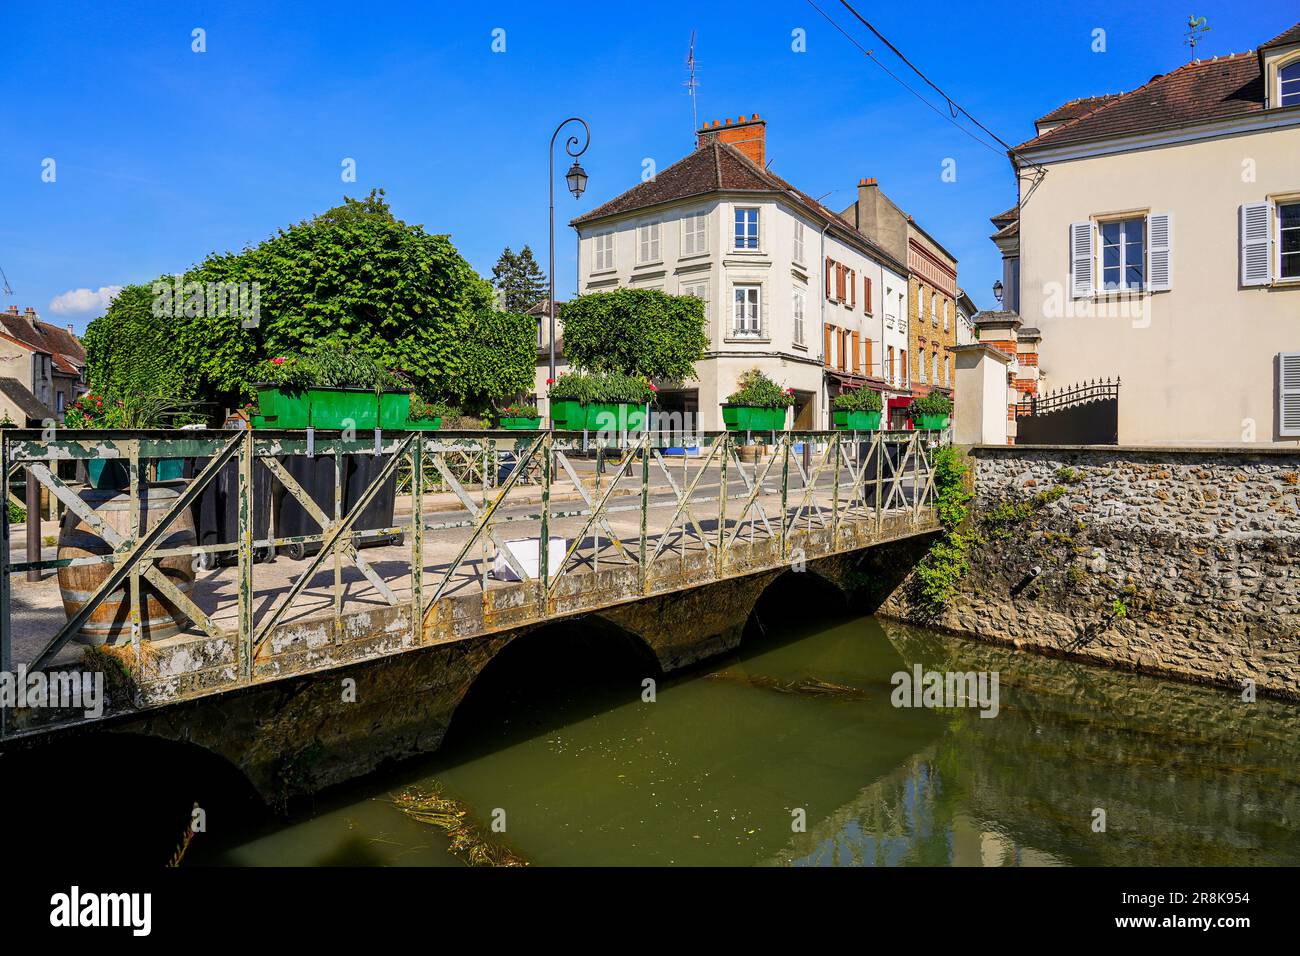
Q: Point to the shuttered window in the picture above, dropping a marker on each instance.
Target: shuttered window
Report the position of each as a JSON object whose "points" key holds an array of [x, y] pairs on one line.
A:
{"points": [[1256, 244], [1288, 394], [866, 294], [826, 345], [1082, 259], [647, 244], [1288, 240], [857, 352], [1160, 251], [826, 278]]}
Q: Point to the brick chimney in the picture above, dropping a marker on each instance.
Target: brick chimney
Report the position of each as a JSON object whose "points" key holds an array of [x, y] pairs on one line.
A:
{"points": [[747, 135]]}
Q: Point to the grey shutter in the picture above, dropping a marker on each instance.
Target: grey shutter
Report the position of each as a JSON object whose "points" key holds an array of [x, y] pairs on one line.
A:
{"points": [[1160, 251], [1256, 244], [1288, 394], [1082, 260]]}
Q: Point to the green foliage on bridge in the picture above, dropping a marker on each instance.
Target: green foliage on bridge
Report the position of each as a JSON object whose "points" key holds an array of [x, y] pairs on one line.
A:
{"points": [[354, 274]]}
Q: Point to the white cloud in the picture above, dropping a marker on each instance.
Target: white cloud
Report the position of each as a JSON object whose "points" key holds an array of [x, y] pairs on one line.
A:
{"points": [[77, 301]]}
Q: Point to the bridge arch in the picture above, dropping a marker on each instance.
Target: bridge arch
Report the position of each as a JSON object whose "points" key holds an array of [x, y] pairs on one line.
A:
{"points": [[121, 797], [547, 676]]}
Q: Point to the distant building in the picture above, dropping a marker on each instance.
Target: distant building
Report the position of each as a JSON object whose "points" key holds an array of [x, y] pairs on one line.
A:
{"points": [[789, 286], [42, 368]]}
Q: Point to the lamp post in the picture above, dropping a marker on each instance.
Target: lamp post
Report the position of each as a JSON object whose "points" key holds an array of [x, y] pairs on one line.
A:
{"points": [[997, 290], [576, 179]]}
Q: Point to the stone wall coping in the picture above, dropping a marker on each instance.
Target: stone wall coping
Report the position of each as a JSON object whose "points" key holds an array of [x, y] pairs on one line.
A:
{"points": [[1013, 450]]}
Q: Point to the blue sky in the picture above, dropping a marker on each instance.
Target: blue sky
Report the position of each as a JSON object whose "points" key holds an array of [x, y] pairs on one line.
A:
{"points": [[164, 155]]}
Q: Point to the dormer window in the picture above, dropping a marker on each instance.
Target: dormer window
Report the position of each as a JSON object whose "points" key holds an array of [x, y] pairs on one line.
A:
{"points": [[1288, 84]]}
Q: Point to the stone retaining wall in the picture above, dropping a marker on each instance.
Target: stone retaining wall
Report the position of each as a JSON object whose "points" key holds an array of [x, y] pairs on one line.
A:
{"points": [[1183, 562]]}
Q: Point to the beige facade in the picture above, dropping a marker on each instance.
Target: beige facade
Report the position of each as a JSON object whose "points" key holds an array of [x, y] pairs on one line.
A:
{"points": [[1198, 360]]}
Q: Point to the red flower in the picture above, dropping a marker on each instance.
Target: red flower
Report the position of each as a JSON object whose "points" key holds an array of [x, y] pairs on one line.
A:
{"points": [[550, 381], [277, 361]]}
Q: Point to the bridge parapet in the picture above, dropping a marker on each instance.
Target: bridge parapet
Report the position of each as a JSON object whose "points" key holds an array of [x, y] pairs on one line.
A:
{"points": [[440, 543]]}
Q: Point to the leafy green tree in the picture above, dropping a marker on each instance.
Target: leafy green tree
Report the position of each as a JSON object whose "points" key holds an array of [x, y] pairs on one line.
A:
{"points": [[354, 274], [130, 350], [499, 357], [519, 279], [636, 332]]}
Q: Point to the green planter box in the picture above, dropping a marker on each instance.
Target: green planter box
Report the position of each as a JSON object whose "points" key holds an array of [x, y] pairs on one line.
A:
{"points": [[931, 422], [522, 424], [615, 417], [281, 408], [749, 418], [338, 408], [424, 425], [858, 421], [568, 415], [393, 409]]}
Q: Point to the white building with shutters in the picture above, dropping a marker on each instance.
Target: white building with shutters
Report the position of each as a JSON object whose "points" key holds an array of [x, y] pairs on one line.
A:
{"points": [[1159, 242], [789, 286]]}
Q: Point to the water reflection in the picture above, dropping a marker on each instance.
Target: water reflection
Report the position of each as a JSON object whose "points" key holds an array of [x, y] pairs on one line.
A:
{"points": [[718, 769]]}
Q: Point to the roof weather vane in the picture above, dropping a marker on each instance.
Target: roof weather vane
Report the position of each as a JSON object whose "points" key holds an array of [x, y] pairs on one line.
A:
{"points": [[1196, 28]]}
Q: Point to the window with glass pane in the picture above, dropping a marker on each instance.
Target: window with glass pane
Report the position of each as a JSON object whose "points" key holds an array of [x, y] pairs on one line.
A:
{"points": [[798, 242], [746, 228], [747, 314], [797, 307], [1288, 82], [1288, 235], [1123, 256], [693, 236]]}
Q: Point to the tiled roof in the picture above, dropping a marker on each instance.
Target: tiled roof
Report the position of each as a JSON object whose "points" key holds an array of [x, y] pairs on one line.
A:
{"points": [[1007, 231], [717, 167], [22, 396], [1010, 215], [1198, 91], [1284, 38], [43, 337], [1075, 108]]}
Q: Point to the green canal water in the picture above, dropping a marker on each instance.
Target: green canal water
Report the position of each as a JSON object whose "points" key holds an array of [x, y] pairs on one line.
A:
{"points": [[714, 770]]}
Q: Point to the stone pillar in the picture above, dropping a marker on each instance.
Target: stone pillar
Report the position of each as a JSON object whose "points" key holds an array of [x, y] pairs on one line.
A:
{"points": [[980, 416]]}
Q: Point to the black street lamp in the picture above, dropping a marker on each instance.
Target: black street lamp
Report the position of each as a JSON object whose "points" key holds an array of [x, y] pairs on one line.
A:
{"points": [[997, 290], [576, 178]]}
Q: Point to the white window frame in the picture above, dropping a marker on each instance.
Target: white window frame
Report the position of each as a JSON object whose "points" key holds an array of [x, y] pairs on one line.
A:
{"points": [[799, 242], [798, 310], [649, 242], [602, 244], [1124, 264], [1295, 80], [695, 234], [741, 326], [1277, 238], [758, 227]]}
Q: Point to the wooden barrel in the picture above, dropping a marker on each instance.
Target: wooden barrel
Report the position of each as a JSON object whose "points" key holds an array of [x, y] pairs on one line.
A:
{"points": [[109, 622]]}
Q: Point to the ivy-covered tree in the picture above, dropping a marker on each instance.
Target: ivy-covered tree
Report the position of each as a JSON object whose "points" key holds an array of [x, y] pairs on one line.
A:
{"points": [[519, 279], [636, 332], [130, 350], [500, 355]]}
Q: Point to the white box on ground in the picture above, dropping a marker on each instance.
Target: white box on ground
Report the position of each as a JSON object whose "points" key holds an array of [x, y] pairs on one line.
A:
{"points": [[527, 553]]}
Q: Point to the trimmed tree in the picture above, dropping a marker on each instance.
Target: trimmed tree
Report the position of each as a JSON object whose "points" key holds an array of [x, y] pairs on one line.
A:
{"points": [[499, 356], [636, 332]]}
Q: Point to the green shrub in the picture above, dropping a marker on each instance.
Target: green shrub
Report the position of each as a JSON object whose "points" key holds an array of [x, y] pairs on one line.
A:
{"points": [[933, 403], [572, 387], [635, 332], [17, 513], [422, 411], [939, 573], [756, 390], [607, 387], [858, 400], [520, 410], [329, 364]]}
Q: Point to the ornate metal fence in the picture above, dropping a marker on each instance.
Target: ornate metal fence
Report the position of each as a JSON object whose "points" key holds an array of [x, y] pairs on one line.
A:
{"points": [[540, 524]]}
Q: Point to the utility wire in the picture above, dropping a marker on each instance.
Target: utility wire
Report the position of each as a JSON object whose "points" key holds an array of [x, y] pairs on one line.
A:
{"points": [[901, 82]]}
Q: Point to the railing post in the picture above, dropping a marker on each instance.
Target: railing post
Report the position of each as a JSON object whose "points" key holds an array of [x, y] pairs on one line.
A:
{"points": [[136, 615], [838, 445], [417, 540], [785, 494], [544, 538], [244, 554], [721, 561], [5, 630], [340, 480], [32, 494], [645, 511]]}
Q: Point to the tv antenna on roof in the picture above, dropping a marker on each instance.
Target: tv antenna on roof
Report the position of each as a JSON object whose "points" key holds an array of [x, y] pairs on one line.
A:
{"points": [[7, 288], [692, 84], [1197, 27]]}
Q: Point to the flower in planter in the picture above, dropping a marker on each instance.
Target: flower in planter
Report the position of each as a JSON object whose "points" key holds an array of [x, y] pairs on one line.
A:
{"points": [[932, 404], [858, 400]]}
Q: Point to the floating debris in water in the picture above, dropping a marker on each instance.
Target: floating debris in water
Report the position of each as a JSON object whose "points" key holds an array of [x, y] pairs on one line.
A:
{"points": [[467, 841], [808, 686]]}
